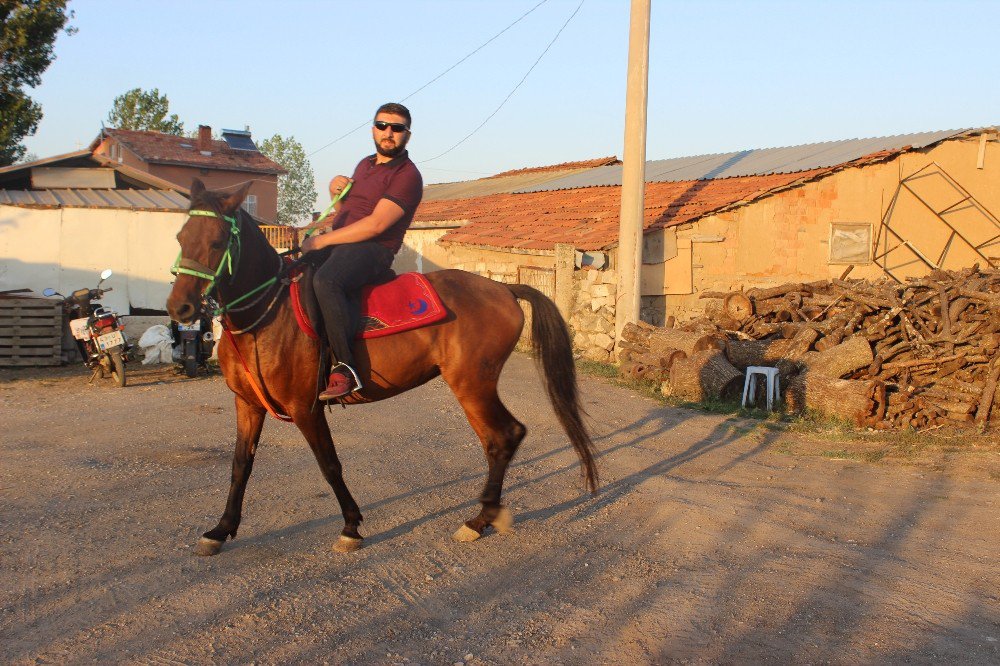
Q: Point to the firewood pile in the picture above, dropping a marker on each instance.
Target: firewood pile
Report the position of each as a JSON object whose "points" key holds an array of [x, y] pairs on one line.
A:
{"points": [[884, 355]]}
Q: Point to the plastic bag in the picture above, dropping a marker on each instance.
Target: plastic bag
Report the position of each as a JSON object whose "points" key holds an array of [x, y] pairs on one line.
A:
{"points": [[157, 345]]}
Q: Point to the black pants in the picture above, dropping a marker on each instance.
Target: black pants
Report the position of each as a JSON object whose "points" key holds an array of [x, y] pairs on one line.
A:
{"points": [[348, 268]]}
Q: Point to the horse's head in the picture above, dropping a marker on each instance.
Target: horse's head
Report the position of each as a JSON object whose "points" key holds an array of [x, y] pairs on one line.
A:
{"points": [[206, 241]]}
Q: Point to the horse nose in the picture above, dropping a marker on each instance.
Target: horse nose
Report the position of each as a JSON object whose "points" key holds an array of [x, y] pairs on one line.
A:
{"points": [[183, 312]]}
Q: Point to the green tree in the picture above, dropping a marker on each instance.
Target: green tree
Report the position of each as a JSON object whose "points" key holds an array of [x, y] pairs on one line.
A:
{"points": [[140, 109], [28, 30], [296, 189]]}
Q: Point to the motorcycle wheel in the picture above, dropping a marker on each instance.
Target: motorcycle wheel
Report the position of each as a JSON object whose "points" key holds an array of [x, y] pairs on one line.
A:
{"points": [[191, 367], [117, 367]]}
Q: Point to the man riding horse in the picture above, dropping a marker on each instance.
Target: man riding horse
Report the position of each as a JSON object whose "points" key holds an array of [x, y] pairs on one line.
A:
{"points": [[366, 233]]}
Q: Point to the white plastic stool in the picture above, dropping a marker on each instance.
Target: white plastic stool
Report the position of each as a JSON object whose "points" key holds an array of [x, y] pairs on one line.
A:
{"points": [[773, 385]]}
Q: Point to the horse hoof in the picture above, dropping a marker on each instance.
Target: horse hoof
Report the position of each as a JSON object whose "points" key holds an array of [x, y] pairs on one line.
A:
{"points": [[504, 520], [346, 544], [207, 547], [464, 534]]}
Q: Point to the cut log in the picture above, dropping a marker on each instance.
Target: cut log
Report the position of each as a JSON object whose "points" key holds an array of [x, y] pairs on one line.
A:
{"points": [[989, 394], [738, 306], [850, 399], [703, 375], [744, 353], [670, 339], [853, 354]]}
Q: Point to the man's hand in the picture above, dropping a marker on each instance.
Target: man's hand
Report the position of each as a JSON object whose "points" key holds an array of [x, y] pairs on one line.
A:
{"points": [[310, 244], [337, 185]]}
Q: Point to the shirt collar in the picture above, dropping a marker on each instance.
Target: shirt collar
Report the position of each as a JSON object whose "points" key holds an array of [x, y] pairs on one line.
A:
{"points": [[405, 155]]}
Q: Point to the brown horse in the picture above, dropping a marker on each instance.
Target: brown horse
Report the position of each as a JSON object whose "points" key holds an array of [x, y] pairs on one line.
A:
{"points": [[468, 349]]}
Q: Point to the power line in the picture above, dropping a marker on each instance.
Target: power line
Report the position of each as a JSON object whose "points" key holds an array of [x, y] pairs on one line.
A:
{"points": [[466, 57], [511, 93]]}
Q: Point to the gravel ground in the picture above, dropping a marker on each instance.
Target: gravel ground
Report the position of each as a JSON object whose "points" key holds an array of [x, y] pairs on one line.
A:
{"points": [[707, 543]]}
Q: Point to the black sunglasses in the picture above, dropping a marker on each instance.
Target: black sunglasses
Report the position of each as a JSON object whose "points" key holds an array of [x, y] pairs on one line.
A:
{"points": [[398, 128]]}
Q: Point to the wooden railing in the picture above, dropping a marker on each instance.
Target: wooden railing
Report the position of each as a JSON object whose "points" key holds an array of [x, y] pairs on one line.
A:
{"points": [[280, 236]]}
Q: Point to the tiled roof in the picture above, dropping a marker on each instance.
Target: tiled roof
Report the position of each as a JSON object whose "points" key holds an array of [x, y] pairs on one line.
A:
{"points": [[587, 218], [160, 148]]}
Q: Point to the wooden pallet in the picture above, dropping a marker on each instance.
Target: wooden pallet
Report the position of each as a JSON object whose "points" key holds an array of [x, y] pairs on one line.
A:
{"points": [[30, 332]]}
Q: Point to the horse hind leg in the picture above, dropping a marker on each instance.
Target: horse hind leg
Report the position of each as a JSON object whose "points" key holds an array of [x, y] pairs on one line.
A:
{"points": [[500, 434], [249, 423]]}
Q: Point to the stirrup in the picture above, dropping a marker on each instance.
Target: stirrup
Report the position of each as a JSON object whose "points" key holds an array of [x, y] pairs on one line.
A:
{"points": [[354, 375]]}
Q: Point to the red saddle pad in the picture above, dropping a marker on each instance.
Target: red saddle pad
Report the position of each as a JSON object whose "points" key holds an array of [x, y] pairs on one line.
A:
{"points": [[407, 302]]}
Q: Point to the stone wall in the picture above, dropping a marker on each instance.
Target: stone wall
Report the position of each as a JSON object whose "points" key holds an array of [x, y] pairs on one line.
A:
{"points": [[592, 313]]}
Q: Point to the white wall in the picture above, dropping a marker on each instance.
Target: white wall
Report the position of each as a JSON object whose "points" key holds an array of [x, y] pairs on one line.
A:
{"points": [[67, 248]]}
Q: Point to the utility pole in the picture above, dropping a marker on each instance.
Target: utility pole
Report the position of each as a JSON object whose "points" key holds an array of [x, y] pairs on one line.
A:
{"points": [[633, 170]]}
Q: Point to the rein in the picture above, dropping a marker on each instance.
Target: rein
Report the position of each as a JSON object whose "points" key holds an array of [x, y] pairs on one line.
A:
{"points": [[230, 262], [226, 263]]}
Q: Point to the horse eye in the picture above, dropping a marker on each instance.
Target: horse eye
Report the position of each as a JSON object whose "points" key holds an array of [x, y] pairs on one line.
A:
{"points": [[218, 245]]}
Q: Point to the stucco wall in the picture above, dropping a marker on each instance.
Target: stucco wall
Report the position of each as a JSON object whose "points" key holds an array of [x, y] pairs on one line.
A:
{"points": [[421, 252], [67, 248], [786, 237]]}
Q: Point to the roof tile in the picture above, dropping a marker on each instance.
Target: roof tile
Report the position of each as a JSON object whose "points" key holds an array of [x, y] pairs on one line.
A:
{"points": [[588, 217]]}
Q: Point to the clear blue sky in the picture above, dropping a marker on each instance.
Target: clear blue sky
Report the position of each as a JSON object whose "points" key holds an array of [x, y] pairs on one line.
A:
{"points": [[724, 75]]}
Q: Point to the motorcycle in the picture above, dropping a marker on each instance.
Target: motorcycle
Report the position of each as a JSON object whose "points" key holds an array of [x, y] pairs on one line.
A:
{"points": [[98, 331], [193, 343]]}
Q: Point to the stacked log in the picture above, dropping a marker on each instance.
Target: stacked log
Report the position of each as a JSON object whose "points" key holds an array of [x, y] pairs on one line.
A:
{"points": [[918, 354]]}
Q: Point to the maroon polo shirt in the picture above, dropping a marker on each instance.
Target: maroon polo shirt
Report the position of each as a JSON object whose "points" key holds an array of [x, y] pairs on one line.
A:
{"points": [[397, 180]]}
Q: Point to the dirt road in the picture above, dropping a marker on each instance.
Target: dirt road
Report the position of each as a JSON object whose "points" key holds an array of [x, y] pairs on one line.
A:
{"points": [[708, 542]]}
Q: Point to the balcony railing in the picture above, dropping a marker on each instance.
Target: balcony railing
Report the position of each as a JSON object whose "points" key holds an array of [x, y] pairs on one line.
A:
{"points": [[281, 237]]}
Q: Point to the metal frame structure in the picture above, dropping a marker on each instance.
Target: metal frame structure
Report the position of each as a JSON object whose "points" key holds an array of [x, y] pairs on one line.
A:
{"points": [[966, 202]]}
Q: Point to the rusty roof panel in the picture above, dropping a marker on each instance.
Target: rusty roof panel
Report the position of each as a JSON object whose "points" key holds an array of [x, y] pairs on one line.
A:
{"points": [[754, 162]]}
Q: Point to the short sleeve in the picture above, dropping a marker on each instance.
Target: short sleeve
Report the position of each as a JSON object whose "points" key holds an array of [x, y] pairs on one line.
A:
{"points": [[406, 189]]}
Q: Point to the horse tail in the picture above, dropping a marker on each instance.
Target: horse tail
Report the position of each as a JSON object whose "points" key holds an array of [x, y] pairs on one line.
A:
{"points": [[551, 344]]}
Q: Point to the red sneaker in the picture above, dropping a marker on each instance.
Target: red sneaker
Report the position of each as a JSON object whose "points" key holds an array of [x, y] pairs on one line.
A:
{"points": [[338, 385]]}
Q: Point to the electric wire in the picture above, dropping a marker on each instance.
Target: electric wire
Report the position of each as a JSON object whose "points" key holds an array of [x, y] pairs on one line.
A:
{"points": [[466, 57], [511, 93]]}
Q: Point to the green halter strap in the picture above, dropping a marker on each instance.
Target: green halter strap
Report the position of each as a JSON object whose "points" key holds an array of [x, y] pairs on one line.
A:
{"points": [[230, 256]]}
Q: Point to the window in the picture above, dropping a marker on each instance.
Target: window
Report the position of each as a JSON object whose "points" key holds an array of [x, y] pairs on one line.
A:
{"points": [[850, 243], [250, 204]]}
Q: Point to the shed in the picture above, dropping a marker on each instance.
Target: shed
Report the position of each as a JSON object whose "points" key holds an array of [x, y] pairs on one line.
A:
{"points": [[63, 219], [892, 207]]}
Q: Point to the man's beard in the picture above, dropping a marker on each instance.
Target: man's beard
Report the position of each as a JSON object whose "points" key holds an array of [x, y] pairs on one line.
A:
{"points": [[390, 152]]}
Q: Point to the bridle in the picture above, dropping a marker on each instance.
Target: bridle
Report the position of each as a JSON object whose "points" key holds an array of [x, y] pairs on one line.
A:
{"points": [[229, 262]]}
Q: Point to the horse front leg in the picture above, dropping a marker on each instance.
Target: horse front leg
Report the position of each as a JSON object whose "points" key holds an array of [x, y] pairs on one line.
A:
{"points": [[249, 423], [316, 430]]}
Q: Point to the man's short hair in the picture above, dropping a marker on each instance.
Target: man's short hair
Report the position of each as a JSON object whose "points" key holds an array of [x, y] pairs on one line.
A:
{"points": [[395, 109]]}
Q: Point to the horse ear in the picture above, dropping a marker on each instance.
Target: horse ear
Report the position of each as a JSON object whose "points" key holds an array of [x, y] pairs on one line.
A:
{"points": [[232, 201], [197, 187]]}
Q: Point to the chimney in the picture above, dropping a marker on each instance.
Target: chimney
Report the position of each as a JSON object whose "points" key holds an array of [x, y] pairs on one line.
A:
{"points": [[204, 138]]}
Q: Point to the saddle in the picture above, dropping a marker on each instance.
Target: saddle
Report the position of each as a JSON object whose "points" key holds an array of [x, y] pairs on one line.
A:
{"points": [[390, 304]]}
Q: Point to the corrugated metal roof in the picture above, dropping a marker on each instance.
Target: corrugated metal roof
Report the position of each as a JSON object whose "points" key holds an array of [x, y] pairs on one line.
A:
{"points": [[755, 162], [87, 198], [505, 183]]}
